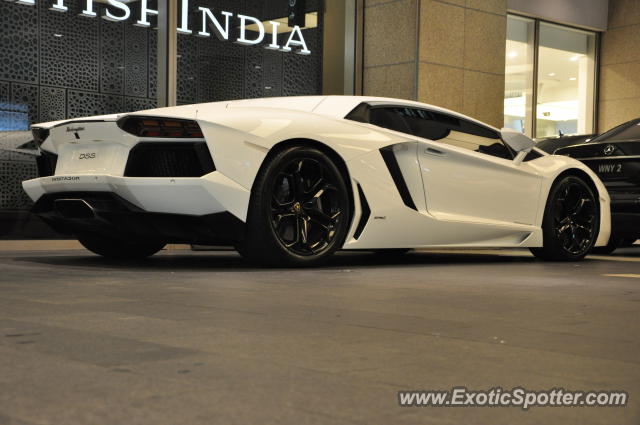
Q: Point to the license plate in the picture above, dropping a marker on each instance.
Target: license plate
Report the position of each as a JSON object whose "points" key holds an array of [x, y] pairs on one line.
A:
{"points": [[616, 169], [609, 168], [91, 158]]}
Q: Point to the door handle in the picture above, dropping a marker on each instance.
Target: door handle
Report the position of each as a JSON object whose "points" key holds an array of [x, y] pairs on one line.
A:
{"points": [[434, 152]]}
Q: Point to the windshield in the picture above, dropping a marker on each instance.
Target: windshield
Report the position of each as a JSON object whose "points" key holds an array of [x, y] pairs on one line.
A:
{"points": [[627, 131]]}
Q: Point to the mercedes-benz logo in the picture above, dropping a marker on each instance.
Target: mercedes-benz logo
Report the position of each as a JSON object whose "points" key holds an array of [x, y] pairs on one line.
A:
{"points": [[609, 149]]}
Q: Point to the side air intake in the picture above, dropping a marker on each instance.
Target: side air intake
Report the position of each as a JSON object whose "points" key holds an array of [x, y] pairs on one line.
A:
{"points": [[366, 213]]}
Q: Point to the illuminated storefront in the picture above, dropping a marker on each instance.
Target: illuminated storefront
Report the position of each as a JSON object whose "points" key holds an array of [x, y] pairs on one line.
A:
{"points": [[72, 58]]}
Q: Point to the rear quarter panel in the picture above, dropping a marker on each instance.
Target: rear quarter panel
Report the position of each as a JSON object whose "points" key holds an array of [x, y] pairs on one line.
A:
{"points": [[241, 138]]}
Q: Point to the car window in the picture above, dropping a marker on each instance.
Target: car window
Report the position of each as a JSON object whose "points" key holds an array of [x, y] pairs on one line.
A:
{"points": [[389, 118], [435, 126], [475, 137]]}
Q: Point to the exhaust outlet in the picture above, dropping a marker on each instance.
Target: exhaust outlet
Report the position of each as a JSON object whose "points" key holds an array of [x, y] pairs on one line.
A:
{"points": [[73, 208]]}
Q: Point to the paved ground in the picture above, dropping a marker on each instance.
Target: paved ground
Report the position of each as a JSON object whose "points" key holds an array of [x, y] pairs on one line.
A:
{"points": [[202, 338]]}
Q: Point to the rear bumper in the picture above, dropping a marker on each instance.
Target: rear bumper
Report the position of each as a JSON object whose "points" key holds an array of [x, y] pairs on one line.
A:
{"points": [[211, 194], [208, 210], [108, 214]]}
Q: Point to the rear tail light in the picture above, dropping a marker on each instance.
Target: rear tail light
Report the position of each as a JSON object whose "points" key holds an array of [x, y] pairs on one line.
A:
{"points": [[161, 127]]}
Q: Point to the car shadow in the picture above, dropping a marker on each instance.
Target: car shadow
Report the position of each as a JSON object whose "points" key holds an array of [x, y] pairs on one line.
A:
{"points": [[233, 262]]}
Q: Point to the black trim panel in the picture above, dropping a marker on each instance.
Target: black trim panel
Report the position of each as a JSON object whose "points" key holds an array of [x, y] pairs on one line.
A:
{"points": [[366, 213], [169, 159], [394, 169], [46, 163], [110, 215]]}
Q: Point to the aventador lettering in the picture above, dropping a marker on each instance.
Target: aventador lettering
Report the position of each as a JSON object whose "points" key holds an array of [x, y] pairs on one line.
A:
{"points": [[65, 179], [118, 10]]}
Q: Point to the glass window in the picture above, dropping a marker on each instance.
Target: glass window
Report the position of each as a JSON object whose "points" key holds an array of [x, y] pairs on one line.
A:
{"points": [[390, 118], [474, 137], [442, 128], [558, 99], [566, 77], [518, 86]]}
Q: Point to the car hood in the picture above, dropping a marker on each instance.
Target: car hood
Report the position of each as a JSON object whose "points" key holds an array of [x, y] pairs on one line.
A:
{"points": [[602, 149]]}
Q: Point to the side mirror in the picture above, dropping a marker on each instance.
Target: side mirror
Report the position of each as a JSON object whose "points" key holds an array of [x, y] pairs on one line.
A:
{"points": [[517, 141]]}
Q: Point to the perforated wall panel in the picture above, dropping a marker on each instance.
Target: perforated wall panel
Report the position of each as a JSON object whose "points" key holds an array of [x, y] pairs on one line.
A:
{"points": [[55, 66]]}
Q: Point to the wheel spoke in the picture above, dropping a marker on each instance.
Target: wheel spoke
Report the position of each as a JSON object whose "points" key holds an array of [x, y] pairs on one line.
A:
{"points": [[298, 181], [279, 217], [321, 218], [580, 206], [316, 190], [303, 226], [564, 228]]}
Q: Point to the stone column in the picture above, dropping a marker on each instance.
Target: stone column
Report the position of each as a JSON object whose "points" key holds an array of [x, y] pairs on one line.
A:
{"points": [[619, 99], [462, 56], [390, 48], [449, 53]]}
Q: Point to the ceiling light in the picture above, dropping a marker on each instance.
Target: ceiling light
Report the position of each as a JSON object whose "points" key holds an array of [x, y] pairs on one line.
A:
{"points": [[572, 79], [512, 54], [57, 35], [552, 74], [574, 58]]}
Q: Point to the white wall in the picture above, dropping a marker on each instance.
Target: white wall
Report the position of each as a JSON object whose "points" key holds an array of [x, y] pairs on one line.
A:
{"points": [[583, 13]]}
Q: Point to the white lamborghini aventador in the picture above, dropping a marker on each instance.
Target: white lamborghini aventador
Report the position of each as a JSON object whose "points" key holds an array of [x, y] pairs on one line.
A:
{"points": [[291, 180]]}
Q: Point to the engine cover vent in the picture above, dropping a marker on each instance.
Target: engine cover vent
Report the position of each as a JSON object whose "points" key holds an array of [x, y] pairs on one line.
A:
{"points": [[168, 159]]}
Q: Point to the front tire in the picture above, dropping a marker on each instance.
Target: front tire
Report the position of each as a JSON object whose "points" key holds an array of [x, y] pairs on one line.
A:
{"points": [[299, 210], [119, 249], [613, 244], [571, 221]]}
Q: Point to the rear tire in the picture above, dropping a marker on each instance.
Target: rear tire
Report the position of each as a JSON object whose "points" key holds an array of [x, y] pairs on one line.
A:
{"points": [[299, 212], [119, 249], [571, 221]]}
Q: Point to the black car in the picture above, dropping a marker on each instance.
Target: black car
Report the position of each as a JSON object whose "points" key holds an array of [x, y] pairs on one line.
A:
{"points": [[615, 157], [551, 144]]}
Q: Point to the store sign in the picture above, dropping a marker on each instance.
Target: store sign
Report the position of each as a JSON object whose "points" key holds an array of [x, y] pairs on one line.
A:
{"points": [[221, 23]]}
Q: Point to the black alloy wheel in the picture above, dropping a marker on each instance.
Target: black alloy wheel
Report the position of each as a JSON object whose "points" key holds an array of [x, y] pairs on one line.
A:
{"points": [[305, 206], [575, 218], [571, 222], [299, 211]]}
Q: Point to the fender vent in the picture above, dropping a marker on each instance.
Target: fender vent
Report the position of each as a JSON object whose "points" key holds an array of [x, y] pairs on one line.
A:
{"points": [[168, 159], [394, 169]]}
